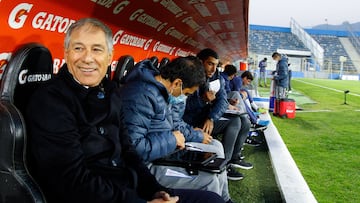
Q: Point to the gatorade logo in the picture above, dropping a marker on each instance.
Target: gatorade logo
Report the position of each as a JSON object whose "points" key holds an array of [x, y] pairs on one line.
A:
{"points": [[18, 15], [4, 58], [24, 77]]}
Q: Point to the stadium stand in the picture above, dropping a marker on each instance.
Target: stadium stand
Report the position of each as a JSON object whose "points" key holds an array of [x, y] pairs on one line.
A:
{"points": [[264, 40], [268, 40], [333, 49]]}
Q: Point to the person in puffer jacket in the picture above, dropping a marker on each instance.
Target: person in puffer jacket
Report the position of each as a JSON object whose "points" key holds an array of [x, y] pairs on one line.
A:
{"points": [[145, 100], [205, 109], [281, 77]]}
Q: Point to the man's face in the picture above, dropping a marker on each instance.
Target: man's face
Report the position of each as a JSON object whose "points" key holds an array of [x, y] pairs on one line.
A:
{"points": [[177, 89], [232, 76], [210, 65], [246, 81], [88, 56], [276, 58]]}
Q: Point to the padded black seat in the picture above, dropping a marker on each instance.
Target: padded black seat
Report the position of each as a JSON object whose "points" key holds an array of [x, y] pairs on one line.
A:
{"points": [[124, 65], [163, 62], [30, 66], [155, 61]]}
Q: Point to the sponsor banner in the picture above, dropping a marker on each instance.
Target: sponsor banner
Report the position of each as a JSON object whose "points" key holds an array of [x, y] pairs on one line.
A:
{"points": [[162, 28]]}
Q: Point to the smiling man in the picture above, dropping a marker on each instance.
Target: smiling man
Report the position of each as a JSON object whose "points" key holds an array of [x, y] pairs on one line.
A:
{"points": [[88, 54]]}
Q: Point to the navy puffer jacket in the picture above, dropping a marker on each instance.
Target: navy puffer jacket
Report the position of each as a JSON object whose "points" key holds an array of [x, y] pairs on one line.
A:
{"points": [[197, 110], [190, 134], [281, 77], [146, 113]]}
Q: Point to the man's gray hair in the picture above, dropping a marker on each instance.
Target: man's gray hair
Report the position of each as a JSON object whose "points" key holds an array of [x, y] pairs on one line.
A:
{"points": [[94, 22]]}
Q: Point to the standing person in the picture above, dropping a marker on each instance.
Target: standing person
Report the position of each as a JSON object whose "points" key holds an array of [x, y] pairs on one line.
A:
{"points": [[281, 75], [207, 105], [262, 66], [290, 75], [79, 152], [281, 79]]}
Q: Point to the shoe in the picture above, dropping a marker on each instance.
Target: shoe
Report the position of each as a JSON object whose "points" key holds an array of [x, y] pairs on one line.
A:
{"points": [[252, 142], [257, 127], [241, 164], [241, 156], [230, 201], [262, 110], [233, 174], [253, 134], [263, 122], [256, 113]]}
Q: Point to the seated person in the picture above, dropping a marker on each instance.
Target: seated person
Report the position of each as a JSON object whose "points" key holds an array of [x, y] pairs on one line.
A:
{"points": [[79, 152], [237, 105], [228, 74], [145, 102], [207, 105], [239, 84], [236, 100]]}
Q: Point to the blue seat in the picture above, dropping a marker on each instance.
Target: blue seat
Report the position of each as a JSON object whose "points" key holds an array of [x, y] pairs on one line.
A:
{"points": [[30, 66]]}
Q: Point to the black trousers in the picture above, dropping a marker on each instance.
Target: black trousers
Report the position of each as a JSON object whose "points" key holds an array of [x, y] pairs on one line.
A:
{"points": [[197, 196]]}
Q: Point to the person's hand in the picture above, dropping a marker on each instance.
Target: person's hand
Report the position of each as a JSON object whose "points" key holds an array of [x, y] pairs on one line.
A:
{"points": [[209, 96], [232, 107], [244, 94], [234, 102], [208, 126], [207, 138], [162, 197], [180, 139]]}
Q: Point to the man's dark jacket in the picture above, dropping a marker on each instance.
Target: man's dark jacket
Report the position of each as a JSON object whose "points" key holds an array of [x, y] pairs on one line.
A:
{"points": [[79, 153], [198, 110], [148, 116], [282, 70], [146, 112]]}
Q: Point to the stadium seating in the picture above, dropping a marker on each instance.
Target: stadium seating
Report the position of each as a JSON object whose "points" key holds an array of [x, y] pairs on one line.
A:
{"points": [[155, 61], [163, 62], [125, 64], [333, 49], [266, 42], [30, 66]]}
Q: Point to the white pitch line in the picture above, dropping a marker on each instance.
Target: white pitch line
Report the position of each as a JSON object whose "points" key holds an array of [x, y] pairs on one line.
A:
{"points": [[329, 88], [311, 111]]}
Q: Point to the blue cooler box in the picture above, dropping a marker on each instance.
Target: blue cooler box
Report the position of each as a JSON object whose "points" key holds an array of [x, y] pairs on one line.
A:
{"points": [[271, 104]]}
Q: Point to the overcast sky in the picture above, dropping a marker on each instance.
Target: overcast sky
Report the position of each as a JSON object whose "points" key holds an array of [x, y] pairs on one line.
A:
{"points": [[307, 13]]}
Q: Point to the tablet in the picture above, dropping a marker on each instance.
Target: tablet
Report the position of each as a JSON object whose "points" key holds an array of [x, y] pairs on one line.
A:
{"points": [[186, 158]]}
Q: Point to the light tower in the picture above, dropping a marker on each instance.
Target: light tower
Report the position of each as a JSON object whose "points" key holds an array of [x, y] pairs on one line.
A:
{"points": [[342, 59]]}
